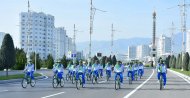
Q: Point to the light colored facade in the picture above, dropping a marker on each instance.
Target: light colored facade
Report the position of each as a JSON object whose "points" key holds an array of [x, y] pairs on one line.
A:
{"points": [[41, 28], [2, 34], [143, 51], [188, 42], [132, 52], [164, 45], [59, 42]]}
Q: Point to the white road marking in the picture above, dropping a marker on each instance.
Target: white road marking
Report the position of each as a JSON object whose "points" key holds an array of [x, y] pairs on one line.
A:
{"points": [[102, 81], [132, 92], [53, 95], [4, 91], [180, 76]]}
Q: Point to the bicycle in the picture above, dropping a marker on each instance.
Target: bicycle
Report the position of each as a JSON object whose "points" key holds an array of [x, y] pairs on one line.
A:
{"points": [[28, 80], [136, 75], [117, 82], [130, 78], [108, 75], [161, 82], [68, 76], [88, 75], [58, 81], [140, 73], [94, 78], [79, 82]]}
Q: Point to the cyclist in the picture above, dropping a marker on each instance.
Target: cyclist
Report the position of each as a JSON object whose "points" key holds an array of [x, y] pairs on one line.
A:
{"points": [[141, 69], [161, 70], [136, 68], [95, 68], [130, 69], [118, 70], [108, 69], [29, 69], [81, 71], [89, 68], [58, 69], [69, 68]]}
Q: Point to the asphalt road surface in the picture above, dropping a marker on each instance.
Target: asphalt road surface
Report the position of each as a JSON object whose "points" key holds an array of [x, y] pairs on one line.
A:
{"points": [[147, 87]]}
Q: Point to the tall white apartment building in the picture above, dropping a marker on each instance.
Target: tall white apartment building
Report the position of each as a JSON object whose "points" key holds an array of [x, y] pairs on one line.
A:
{"points": [[40, 28], [2, 34], [132, 52], [143, 51], [164, 45], [59, 42], [188, 42]]}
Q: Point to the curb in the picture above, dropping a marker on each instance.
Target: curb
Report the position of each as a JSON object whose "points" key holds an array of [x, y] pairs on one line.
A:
{"points": [[180, 74], [19, 80]]}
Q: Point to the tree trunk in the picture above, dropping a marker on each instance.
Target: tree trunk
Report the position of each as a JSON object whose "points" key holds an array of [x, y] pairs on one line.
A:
{"points": [[7, 72]]}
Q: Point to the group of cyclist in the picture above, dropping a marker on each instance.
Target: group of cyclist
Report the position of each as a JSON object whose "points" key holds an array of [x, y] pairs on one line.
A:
{"points": [[135, 70]]}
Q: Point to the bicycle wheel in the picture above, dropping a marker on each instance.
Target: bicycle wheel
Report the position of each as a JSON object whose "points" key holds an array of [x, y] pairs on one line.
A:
{"points": [[62, 82], [67, 77], [32, 82], [130, 79], [116, 83], [161, 83], [55, 82], [93, 80], [24, 82], [77, 84]]}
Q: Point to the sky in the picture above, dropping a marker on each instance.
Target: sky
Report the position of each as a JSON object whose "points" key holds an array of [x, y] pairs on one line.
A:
{"points": [[131, 18]]}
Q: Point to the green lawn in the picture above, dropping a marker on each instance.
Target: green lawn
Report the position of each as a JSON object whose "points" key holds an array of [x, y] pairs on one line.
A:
{"points": [[183, 72], [17, 76]]}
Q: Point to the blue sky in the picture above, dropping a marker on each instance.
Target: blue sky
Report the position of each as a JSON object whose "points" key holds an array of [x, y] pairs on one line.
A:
{"points": [[131, 18]]}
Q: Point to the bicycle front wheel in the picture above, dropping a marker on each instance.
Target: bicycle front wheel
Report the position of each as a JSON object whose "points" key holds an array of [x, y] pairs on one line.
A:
{"points": [[32, 82], [24, 82], [54, 83], [62, 82]]}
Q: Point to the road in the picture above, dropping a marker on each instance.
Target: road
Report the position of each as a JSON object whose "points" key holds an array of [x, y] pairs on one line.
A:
{"points": [[147, 87]]}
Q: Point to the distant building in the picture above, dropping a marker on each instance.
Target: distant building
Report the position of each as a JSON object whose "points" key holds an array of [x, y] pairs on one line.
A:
{"points": [[40, 28], [143, 51], [2, 34], [132, 52], [164, 45], [188, 42], [59, 42], [79, 55]]}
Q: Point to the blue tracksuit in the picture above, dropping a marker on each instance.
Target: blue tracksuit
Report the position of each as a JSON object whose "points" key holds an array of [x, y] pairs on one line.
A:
{"points": [[161, 70]]}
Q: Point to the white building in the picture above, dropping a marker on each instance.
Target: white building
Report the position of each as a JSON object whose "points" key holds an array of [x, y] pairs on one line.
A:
{"points": [[164, 45], [41, 28], [59, 42], [188, 42], [2, 34], [143, 51], [132, 52]]}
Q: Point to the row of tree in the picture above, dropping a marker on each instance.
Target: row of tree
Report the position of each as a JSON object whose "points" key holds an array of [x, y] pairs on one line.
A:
{"points": [[182, 61]]}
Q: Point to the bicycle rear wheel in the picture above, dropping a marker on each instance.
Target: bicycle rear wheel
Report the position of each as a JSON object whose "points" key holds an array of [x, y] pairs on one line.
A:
{"points": [[62, 82], [161, 83], [32, 82], [78, 84]]}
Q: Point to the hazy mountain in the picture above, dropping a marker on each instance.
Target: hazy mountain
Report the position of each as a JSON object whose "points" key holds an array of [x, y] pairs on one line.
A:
{"points": [[120, 45]]}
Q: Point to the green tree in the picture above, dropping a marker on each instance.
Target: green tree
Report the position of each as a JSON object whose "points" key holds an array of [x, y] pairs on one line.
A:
{"points": [[49, 61], [167, 61], [8, 57], [110, 59], [170, 61], [94, 59], [174, 62], [177, 61], [103, 61], [20, 59], [186, 61], [64, 61], [180, 61], [114, 60], [38, 60]]}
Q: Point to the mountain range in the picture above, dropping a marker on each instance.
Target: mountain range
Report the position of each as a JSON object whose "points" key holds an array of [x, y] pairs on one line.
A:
{"points": [[121, 45]]}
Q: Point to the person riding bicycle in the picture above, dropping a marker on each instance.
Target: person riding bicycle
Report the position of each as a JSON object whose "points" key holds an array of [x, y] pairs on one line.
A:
{"points": [[118, 70], [29, 69], [130, 69], [69, 68], [108, 69], [161, 70], [136, 68], [81, 71], [89, 68], [95, 68], [58, 69], [141, 69]]}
